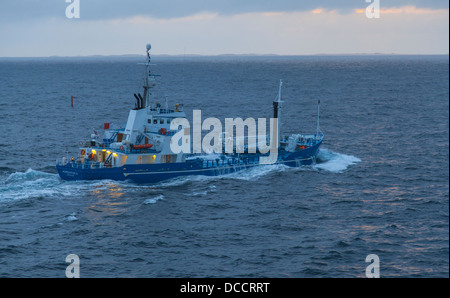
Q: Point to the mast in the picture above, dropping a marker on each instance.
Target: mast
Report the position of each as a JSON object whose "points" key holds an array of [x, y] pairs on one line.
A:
{"points": [[146, 85], [276, 111]]}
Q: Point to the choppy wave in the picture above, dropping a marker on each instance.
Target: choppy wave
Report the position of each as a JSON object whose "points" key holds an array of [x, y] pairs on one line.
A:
{"points": [[71, 217], [203, 191]]}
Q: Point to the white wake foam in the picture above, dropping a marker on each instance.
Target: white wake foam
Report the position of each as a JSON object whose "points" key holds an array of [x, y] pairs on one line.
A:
{"points": [[327, 160], [330, 161], [35, 184], [29, 184], [257, 172]]}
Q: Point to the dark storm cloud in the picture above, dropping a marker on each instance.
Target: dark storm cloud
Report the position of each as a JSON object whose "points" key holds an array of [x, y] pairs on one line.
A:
{"points": [[23, 10]]}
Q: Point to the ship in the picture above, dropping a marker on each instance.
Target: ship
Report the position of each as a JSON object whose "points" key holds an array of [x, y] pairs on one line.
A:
{"points": [[142, 151]]}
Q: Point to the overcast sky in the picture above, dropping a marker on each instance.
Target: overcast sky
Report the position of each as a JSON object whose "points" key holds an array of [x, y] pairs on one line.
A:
{"points": [[209, 27]]}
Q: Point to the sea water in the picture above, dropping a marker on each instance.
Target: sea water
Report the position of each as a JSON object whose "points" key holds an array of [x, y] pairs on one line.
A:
{"points": [[380, 185]]}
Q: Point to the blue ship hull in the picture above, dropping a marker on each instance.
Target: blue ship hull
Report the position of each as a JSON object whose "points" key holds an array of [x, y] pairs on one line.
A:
{"points": [[152, 173]]}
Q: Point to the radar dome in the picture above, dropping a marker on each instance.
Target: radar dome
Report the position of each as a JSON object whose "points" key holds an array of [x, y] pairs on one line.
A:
{"points": [[149, 46]]}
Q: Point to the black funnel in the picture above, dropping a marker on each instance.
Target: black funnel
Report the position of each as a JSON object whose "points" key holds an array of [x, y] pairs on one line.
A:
{"points": [[138, 102], [142, 101]]}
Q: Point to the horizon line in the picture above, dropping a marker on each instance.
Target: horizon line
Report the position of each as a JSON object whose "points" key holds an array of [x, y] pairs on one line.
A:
{"points": [[221, 55]]}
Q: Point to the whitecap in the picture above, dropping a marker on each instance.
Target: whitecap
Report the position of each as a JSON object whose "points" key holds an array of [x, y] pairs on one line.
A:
{"points": [[71, 217], [153, 200]]}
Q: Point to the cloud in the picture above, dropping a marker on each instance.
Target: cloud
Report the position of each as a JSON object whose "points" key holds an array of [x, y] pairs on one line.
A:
{"points": [[211, 27], [318, 31], [27, 10]]}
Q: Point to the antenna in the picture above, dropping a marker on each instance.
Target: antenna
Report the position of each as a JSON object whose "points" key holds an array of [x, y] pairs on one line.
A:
{"points": [[184, 62], [318, 119], [279, 91], [145, 100]]}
